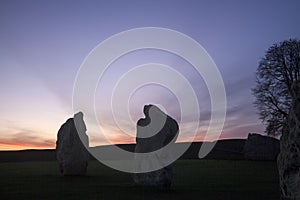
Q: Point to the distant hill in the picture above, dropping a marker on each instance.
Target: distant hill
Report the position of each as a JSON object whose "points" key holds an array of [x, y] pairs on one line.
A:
{"points": [[231, 149]]}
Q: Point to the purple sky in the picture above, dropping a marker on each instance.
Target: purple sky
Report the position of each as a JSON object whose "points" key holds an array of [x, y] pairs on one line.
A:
{"points": [[43, 44]]}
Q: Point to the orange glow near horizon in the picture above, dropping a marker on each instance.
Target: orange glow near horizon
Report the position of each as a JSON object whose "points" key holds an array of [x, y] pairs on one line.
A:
{"points": [[20, 146], [120, 139]]}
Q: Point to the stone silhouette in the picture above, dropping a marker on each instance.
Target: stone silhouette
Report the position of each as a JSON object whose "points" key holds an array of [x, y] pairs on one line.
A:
{"points": [[259, 147], [71, 153], [288, 161], [152, 137]]}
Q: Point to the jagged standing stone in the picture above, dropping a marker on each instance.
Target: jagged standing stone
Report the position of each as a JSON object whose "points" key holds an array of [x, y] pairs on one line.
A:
{"points": [[147, 141], [71, 153], [288, 161]]}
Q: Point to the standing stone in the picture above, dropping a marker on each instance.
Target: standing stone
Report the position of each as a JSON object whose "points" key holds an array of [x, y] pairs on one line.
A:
{"points": [[259, 147], [288, 161], [154, 132], [71, 153]]}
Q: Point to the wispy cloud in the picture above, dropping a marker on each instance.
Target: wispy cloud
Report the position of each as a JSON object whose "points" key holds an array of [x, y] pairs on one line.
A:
{"points": [[26, 139]]}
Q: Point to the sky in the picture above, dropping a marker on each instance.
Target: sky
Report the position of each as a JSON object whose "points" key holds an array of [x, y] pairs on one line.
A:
{"points": [[44, 43]]}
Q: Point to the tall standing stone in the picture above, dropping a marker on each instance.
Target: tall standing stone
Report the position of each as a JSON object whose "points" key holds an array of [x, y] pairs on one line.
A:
{"points": [[150, 138], [289, 158], [71, 153]]}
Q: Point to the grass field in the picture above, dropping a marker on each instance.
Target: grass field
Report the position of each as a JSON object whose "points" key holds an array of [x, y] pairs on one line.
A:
{"points": [[193, 179]]}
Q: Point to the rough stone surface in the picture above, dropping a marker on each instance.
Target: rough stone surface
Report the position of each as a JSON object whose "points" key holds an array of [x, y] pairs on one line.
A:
{"points": [[259, 147], [71, 154], [288, 161], [148, 141]]}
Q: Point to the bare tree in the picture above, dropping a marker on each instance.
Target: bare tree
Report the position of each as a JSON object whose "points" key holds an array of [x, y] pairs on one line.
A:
{"points": [[276, 72]]}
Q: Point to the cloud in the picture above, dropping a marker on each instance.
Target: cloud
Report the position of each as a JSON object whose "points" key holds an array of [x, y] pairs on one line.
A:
{"points": [[26, 139]]}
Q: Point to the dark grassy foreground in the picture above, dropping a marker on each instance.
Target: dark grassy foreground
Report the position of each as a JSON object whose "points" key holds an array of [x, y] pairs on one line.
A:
{"points": [[193, 179]]}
